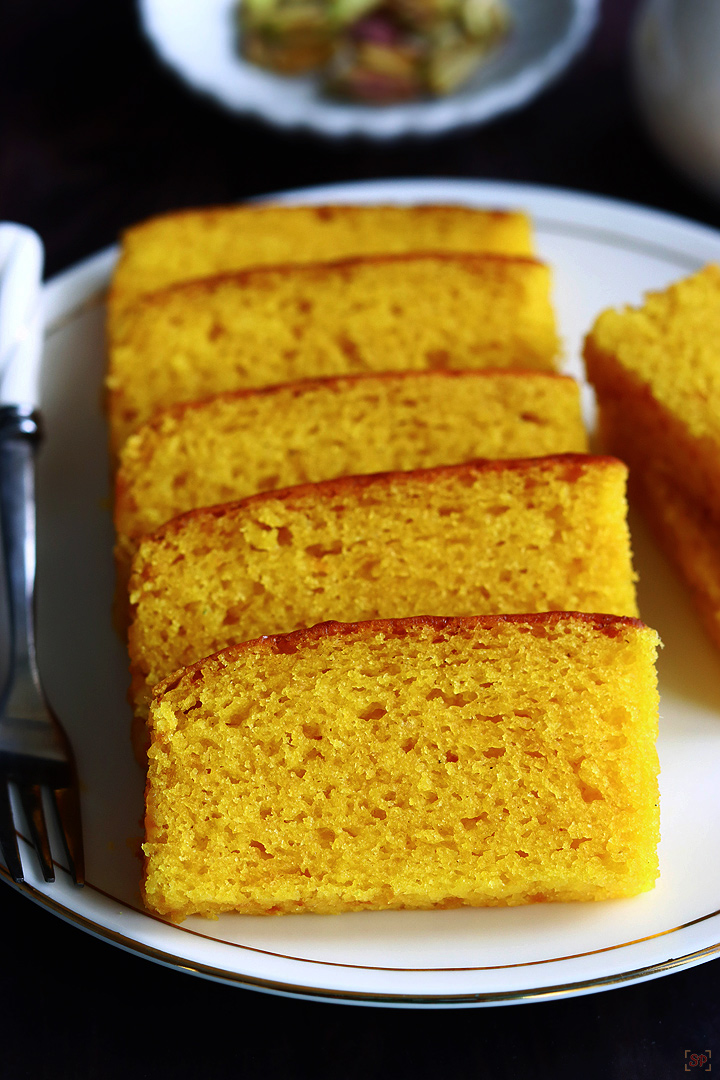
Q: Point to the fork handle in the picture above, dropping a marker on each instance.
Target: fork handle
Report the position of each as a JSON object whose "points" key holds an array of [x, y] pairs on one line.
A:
{"points": [[20, 432]]}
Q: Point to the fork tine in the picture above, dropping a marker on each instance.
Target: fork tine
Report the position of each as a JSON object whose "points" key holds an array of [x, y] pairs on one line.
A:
{"points": [[34, 745], [8, 837], [66, 805], [31, 799]]}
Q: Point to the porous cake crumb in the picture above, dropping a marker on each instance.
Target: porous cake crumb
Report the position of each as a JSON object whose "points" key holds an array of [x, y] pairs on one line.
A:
{"points": [[273, 325], [418, 763], [238, 444], [486, 537]]}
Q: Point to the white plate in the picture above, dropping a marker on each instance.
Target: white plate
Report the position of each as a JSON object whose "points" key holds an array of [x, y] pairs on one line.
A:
{"points": [[198, 40], [604, 254]]}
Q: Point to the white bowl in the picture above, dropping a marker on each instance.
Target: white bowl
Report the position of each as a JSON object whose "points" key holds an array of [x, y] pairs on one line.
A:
{"points": [[198, 40]]}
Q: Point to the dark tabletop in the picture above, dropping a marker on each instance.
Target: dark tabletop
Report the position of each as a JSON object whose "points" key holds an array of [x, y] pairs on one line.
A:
{"points": [[96, 134]]}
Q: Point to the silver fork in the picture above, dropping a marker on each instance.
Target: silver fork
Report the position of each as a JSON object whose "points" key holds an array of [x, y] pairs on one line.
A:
{"points": [[35, 755]]}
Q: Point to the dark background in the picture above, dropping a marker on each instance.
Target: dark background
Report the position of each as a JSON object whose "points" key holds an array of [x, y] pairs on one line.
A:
{"points": [[94, 135]]}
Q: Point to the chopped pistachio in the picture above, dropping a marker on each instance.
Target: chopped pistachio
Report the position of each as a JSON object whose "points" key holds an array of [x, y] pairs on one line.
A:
{"points": [[485, 18], [449, 68], [348, 11]]}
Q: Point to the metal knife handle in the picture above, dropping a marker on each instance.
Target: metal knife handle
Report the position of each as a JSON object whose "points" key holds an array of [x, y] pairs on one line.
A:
{"points": [[20, 433]]}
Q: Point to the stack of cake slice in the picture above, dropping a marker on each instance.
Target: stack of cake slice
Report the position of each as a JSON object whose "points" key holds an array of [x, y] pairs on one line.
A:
{"points": [[656, 372], [193, 244], [294, 292], [306, 429], [247, 441], [533, 535]]}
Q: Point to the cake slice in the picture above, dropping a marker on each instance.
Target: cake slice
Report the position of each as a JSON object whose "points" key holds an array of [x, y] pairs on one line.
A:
{"points": [[656, 373], [198, 243], [487, 537], [417, 763], [273, 325], [243, 442], [690, 537]]}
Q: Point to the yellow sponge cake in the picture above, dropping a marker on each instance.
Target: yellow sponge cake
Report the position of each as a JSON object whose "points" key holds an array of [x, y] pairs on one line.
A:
{"points": [[243, 442], [656, 372], [418, 763], [199, 243], [487, 537], [275, 325]]}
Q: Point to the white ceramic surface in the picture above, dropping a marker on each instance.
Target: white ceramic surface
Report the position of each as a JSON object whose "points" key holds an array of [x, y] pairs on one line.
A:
{"points": [[604, 253], [676, 68], [198, 40]]}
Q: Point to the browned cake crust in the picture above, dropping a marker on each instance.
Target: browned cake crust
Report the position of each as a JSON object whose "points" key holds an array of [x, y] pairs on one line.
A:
{"points": [[689, 536], [609, 625], [471, 261], [299, 386], [575, 466]]}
